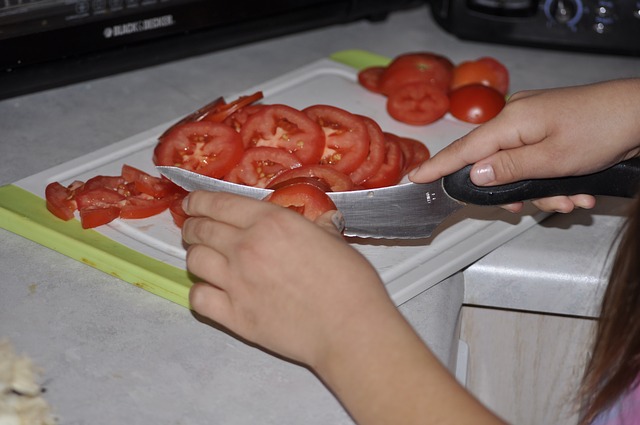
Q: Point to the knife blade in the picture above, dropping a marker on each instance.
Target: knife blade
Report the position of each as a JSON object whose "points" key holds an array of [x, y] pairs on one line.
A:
{"points": [[414, 210]]}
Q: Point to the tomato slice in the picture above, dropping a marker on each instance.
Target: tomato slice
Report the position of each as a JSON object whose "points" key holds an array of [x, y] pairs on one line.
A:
{"points": [[94, 217], [487, 71], [369, 78], [222, 111], [60, 200], [414, 152], [284, 127], [346, 137], [208, 148], [314, 181], [156, 187], [417, 103], [375, 158], [306, 199], [143, 206], [391, 171], [336, 180], [260, 165], [419, 67], [240, 117], [476, 103]]}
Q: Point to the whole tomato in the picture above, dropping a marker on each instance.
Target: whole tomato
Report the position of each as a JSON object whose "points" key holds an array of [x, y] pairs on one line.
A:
{"points": [[475, 103], [486, 70], [421, 67]]}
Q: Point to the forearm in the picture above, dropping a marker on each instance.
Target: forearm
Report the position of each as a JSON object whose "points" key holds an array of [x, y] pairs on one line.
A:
{"points": [[385, 374]]}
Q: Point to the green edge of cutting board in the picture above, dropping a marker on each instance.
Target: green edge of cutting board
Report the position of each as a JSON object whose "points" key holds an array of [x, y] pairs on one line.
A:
{"points": [[25, 214]]}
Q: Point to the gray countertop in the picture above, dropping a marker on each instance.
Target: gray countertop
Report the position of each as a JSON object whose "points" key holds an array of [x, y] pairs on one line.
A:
{"points": [[113, 353]]}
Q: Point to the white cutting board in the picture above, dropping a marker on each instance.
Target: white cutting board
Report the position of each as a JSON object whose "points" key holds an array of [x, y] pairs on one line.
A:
{"points": [[149, 252]]}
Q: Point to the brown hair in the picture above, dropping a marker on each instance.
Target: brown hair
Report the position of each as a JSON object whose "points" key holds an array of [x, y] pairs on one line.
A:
{"points": [[615, 361]]}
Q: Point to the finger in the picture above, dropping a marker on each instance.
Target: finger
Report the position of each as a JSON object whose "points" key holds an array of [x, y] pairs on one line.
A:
{"points": [[583, 201], [201, 230], [208, 264], [516, 207], [332, 222], [559, 204], [211, 302], [239, 211]]}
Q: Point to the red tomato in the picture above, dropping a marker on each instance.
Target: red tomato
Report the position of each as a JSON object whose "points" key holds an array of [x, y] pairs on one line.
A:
{"points": [[143, 206], [417, 103], [305, 199], [422, 67], [391, 171], [221, 111], [94, 217], [212, 149], [149, 185], [369, 78], [238, 118], [284, 127], [475, 103], [375, 158], [414, 152], [487, 71], [260, 165], [337, 181], [346, 137], [177, 213], [314, 181], [60, 200]]}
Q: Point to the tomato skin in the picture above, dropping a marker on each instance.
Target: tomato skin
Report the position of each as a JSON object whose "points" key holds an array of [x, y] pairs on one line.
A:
{"points": [[222, 110], [336, 180], [287, 128], [208, 148], [346, 137], [60, 200], [369, 78], [417, 103], [475, 103], [420, 67], [260, 165], [306, 199], [391, 171], [487, 71], [375, 157]]}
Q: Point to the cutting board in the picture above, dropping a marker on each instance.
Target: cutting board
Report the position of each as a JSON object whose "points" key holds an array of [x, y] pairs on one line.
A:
{"points": [[149, 252]]}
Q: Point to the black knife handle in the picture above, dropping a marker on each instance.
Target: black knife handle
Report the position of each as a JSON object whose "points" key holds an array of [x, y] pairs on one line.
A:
{"points": [[621, 180]]}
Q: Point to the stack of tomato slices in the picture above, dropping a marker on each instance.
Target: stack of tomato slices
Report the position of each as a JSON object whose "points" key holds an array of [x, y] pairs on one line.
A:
{"points": [[421, 87], [300, 154]]}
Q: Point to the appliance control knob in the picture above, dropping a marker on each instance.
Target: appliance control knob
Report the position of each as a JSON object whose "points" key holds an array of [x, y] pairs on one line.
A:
{"points": [[564, 12]]}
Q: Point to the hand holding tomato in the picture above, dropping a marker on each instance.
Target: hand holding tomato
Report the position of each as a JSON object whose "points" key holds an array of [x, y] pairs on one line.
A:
{"points": [[548, 133]]}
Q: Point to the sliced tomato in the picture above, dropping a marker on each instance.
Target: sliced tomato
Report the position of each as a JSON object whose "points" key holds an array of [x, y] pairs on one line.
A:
{"points": [[417, 103], [60, 200], [98, 216], [336, 180], [391, 171], [208, 148], [476, 103], [314, 181], [156, 187], [222, 111], [115, 183], [375, 158], [419, 67], [306, 199], [487, 71], [260, 165], [177, 212], [414, 152], [369, 78], [346, 137], [284, 127], [238, 118], [143, 206]]}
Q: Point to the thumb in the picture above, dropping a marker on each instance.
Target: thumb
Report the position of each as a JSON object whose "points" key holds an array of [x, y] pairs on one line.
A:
{"points": [[332, 222]]}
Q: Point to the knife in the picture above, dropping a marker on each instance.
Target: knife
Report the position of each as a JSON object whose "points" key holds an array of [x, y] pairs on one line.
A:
{"points": [[414, 210]]}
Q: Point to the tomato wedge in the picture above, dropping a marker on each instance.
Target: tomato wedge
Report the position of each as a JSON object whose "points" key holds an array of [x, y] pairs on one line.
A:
{"points": [[156, 187], [306, 199], [419, 67], [346, 137], [143, 206], [375, 158], [60, 200], [369, 78], [417, 103], [391, 171], [336, 180], [208, 148], [98, 216], [284, 127], [260, 165]]}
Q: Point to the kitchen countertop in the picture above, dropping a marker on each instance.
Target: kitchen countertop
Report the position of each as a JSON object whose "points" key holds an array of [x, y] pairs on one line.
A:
{"points": [[113, 353]]}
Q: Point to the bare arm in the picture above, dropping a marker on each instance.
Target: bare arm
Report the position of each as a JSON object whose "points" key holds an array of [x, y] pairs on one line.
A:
{"points": [[298, 289]]}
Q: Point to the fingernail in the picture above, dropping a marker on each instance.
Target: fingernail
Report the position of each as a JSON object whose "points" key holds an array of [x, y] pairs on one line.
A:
{"points": [[185, 202], [483, 174], [338, 220]]}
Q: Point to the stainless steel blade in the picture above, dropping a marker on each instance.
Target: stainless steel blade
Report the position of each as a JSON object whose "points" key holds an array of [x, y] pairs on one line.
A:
{"points": [[405, 211]]}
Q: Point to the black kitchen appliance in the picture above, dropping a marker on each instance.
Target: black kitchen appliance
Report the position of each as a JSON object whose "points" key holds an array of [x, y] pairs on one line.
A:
{"points": [[599, 26], [49, 43]]}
